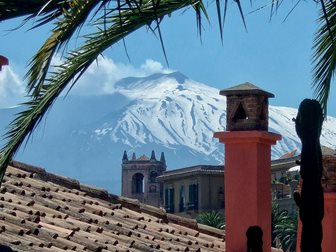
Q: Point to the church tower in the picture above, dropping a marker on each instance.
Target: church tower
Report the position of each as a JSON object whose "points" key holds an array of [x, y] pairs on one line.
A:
{"points": [[139, 178]]}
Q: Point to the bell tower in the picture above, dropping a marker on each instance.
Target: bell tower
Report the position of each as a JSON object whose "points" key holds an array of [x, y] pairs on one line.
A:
{"points": [[139, 178]]}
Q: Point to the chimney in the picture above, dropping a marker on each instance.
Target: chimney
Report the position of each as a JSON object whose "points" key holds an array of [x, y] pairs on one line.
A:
{"points": [[247, 165], [246, 107]]}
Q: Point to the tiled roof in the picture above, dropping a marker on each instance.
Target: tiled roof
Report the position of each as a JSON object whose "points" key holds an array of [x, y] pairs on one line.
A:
{"points": [[245, 88], [326, 151], [143, 158], [289, 154], [284, 164], [40, 211]]}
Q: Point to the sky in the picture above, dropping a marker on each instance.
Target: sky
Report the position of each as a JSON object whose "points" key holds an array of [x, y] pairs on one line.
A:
{"points": [[272, 54]]}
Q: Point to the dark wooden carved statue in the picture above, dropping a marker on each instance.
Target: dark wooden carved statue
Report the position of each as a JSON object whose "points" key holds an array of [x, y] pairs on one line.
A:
{"points": [[308, 124]]}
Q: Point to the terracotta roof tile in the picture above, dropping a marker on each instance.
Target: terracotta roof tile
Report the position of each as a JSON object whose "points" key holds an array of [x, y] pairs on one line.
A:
{"points": [[40, 211], [143, 158], [291, 154], [192, 170]]}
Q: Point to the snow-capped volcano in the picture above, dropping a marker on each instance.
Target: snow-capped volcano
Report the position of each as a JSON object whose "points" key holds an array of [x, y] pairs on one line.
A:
{"points": [[168, 110], [85, 136]]}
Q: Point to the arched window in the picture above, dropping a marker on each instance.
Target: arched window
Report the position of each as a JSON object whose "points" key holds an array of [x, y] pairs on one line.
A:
{"points": [[152, 176], [138, 183]]}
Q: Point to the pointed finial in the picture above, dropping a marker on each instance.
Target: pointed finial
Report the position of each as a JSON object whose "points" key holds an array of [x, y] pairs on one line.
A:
{"points": [[133, 157], [163, 159], [125, 158], [153, 156]]}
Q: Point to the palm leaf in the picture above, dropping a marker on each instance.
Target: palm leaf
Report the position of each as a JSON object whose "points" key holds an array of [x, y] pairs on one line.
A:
{"points": [[76, 63], [16, 8], [117, 20], [241, 12], [324, 57], [72, 20]]}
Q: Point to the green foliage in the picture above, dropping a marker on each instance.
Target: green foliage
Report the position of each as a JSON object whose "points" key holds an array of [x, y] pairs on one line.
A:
{"points": [[212, 219], [109, 22], [289, 176], [284, 229]]}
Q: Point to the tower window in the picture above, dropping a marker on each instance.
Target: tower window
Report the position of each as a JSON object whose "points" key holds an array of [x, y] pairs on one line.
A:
{"points": [[138, 183]]}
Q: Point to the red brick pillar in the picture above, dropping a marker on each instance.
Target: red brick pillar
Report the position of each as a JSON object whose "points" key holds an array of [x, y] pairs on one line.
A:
{"points": [[247, 185]]}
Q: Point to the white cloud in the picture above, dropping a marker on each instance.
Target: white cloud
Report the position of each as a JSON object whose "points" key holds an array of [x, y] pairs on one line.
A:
{"points": [[98, 79], [102, 75], [12, 89]]}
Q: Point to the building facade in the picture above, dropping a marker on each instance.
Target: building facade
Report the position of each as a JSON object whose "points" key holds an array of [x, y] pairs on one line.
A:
{"points": [[139, 178], [189, 191], [286, 177]]}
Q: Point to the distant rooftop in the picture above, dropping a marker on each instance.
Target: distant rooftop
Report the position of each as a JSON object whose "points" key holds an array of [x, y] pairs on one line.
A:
{"points": [[192, 170], [143, 158], [291, 154], [326, 151], [289, 159]]}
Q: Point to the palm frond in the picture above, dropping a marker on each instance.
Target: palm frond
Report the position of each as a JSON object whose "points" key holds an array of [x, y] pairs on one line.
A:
{"points": [[241, 12], [72, 20], [76, 63], [17, 8], [324, 57]]}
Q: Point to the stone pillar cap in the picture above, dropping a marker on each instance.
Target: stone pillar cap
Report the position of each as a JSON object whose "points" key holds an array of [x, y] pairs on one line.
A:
{"points": [[245, 88]]}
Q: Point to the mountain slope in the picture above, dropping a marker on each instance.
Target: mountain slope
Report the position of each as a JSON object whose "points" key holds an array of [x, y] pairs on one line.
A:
{"points": [[85, 136]]}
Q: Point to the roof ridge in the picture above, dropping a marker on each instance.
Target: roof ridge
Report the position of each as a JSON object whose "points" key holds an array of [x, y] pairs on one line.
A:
{"points": [[132, 204], [67, 182]]}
